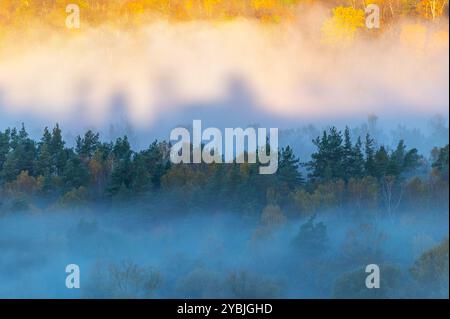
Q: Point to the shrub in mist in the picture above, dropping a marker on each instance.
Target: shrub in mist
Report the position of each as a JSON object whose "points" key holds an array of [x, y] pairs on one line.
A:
{"points": [[353, 284], [362, 244], [243, 284], [312, 237], [201, 283], [272, 218], [77, 197], [431, 269], [122, 280], [20, 204]]}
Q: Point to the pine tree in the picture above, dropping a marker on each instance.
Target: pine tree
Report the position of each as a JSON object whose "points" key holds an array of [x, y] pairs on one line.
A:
{"points": [[22, 156], [86, 146], [318, 164], [288, 173], [157, 161], [336, 153], [369, 153], [121, 176], [327, 162], [14, 139], [44, 157], [59, 155], [4, 146], [411, 161], [357, 166], [402, 161], [75, 173], [348, 156], [441, 163], [381, 163], [141, 177]]}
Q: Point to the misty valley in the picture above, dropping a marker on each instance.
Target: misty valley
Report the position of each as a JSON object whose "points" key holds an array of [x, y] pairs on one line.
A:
{"points": [[224, 149], [220, 256]]}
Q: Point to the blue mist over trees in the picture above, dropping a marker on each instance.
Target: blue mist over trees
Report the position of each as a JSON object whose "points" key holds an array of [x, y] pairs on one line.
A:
{"points": [[141, 227]]}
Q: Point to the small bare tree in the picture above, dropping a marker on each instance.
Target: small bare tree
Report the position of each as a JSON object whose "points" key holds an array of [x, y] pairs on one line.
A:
{"points": [[392, 193]]}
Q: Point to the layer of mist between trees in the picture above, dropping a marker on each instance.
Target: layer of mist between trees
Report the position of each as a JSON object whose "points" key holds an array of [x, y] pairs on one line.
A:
{"points": [[140, 227]]}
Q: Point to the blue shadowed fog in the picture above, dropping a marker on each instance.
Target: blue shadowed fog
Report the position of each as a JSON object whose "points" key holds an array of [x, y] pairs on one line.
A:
{"points": [[141, 255]]}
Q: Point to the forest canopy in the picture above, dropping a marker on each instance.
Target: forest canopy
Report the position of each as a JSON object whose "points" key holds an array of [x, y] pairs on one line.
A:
{"points": [[357, 175]]}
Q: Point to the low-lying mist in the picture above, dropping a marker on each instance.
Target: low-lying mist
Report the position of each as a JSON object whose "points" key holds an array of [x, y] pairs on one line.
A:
{"points": [[129, 254]]}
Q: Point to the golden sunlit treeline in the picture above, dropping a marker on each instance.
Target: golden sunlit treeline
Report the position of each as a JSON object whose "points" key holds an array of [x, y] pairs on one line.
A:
{"points": [[132, 12], [17, 13], [22, 19], [27, 16]]}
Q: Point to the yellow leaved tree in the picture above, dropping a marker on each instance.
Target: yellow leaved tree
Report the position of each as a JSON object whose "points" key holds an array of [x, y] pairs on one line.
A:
{"points": [[432, 9], [342, 27]]}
